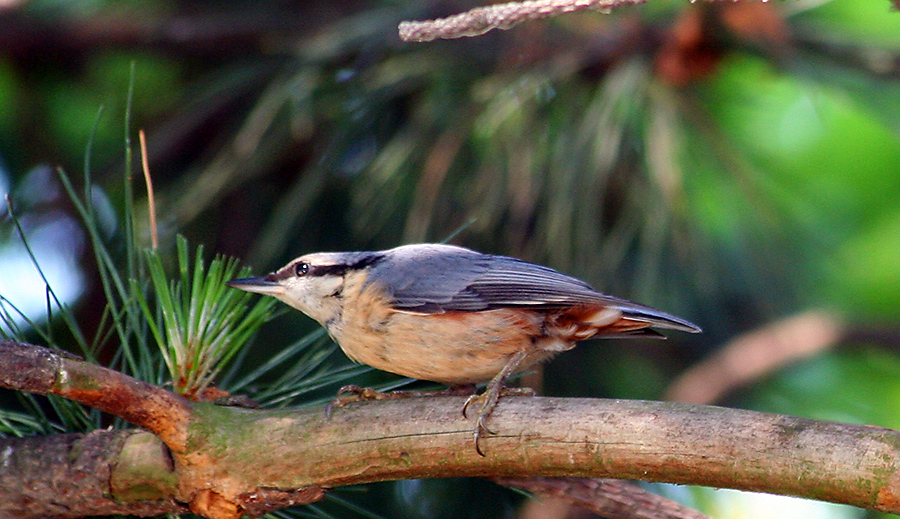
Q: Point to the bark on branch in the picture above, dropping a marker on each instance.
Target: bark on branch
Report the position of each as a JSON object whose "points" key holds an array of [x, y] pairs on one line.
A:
{"points": [[240, 460], [480, 20], [78, 475], [34, 369]]}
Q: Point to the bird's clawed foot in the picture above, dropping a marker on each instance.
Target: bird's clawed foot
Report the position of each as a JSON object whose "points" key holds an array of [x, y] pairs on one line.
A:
{"points": [[488, 401]]}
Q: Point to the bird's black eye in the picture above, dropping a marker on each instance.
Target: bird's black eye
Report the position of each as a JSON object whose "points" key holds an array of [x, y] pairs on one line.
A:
{"points": [[300, 269]]}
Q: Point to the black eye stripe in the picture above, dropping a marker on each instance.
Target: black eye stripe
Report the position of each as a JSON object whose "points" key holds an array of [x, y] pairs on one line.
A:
{"points": [[341, 269], [328, 270], [305, 269]]}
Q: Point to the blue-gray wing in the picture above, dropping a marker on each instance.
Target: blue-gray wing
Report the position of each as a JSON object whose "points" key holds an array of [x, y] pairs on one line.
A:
{"points": [[430, 278]]}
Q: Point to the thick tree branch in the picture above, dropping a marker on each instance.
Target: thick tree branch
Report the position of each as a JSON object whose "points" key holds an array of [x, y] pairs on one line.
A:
{"points": [[35, 369], [239, 460], [375, 441], [79, 475], [651, 441]]}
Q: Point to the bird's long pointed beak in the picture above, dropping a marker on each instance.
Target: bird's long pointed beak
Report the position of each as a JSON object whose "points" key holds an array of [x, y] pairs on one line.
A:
{"points": [[259, 285]]}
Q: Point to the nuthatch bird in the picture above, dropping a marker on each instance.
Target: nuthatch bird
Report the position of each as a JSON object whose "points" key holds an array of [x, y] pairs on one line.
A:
{"points": [[452, 315]]}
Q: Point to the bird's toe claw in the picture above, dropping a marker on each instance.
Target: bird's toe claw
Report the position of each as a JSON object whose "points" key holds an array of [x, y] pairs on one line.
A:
{"points": [[353, 393]]}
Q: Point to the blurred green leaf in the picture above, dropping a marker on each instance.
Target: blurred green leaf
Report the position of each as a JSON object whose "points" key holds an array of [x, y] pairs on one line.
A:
{"points": [[854, 22], [863, 277], [853, 385], [826, 162]]}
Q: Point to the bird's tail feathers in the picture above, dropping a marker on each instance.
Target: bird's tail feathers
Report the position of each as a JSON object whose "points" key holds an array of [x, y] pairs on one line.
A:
{"points": [[656, 318]]}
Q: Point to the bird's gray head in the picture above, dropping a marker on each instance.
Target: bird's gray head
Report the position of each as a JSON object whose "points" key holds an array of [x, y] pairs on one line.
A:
{"points": [[311, 283]]}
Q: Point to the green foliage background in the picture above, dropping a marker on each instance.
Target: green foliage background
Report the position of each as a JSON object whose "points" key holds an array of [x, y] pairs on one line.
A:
{"points": [[766, 184]]}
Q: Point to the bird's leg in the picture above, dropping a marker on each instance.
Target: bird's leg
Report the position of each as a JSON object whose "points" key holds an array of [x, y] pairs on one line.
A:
{"points": [[353, 393], [495, 389]]}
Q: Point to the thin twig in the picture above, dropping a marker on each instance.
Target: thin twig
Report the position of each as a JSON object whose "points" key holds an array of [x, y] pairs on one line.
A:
{"points": [[500, 16], [757, 353], [151, 202], [611, 498]]}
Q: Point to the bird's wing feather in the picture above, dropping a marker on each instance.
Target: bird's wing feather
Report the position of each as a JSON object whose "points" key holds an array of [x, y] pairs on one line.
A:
{"points": [[442, 278]]}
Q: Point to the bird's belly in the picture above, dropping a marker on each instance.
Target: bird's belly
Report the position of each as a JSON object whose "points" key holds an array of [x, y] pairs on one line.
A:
{"points": [[451, 348]]}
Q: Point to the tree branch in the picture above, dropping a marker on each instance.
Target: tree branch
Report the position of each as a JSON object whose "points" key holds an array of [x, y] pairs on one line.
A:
{"points": [[480, 20], [238, 460], [34, 369], [610, 498], [79, 475], [757, 353]]}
